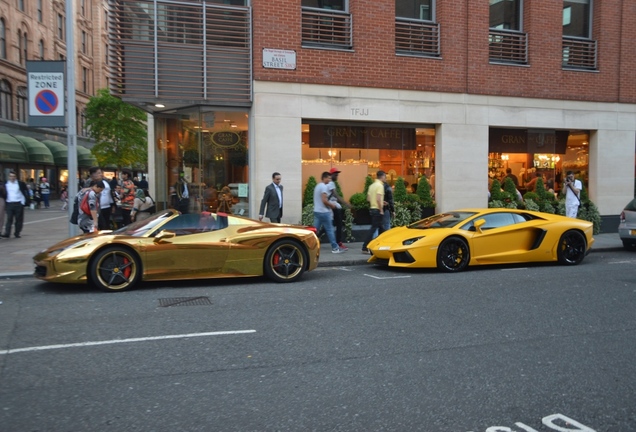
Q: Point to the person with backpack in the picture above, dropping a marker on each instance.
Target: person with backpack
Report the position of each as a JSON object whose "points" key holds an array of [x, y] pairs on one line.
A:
{"points": [[144, 206], [88, 216]]}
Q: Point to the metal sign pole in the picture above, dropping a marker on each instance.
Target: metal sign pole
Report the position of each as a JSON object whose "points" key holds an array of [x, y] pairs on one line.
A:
{"points": [[71, 117]]}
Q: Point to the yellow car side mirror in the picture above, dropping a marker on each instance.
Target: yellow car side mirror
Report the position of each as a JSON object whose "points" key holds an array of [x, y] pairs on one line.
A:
{"points": [[478, 224]]}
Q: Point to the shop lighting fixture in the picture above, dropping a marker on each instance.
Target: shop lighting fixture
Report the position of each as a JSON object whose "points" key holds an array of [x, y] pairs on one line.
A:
{"points": [[233, 125], [159, 105]]}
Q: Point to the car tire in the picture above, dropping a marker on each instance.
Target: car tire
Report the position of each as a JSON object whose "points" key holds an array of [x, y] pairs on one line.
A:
{"points": [[629, 245], [114, 269], [453, 255], [285, 261], [571, 248]]}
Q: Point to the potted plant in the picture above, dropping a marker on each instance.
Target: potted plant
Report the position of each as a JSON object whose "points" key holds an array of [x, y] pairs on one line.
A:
{"points": [[426, 198], [360, 205]]}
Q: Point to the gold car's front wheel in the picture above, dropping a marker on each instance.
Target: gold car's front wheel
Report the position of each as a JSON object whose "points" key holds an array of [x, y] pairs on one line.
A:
{"points": [[285, 261], [114, 269]]}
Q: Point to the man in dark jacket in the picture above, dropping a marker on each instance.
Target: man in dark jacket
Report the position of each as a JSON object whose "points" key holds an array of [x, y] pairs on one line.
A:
{"points": [[273, 199], [17, 199]]}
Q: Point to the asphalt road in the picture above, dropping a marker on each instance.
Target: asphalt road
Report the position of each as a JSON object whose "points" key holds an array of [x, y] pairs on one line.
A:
{"points": [[359, 348]]}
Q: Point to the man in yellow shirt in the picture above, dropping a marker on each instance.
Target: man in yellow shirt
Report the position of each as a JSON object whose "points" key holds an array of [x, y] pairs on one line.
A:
{"points": [[375, 196]]}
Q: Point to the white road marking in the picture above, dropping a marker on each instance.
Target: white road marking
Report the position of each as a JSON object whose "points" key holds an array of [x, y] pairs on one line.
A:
{"points": [[515, 268], [622, 262], [45, 220], [387, 277], [118, 341]]}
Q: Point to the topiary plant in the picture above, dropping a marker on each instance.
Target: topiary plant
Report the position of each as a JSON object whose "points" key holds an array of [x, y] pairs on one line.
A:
{"points": [[424, 193], [359, 201], [368, 181], [399, 194], [496, 194], [308, 196]]}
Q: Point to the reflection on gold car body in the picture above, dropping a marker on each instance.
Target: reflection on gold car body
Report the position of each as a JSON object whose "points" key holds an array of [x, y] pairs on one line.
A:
{"points": [[454, 240], [174, 246]]}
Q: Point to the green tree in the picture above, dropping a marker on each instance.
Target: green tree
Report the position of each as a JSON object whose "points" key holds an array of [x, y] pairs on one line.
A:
{"points": [[308, 195], [119, 130], [424, 193]]}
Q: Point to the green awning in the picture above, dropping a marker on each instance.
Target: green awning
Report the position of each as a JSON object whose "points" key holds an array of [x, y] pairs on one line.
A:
{"points": [[59, 151], [37, 151], [85, 158], [11, 150]]}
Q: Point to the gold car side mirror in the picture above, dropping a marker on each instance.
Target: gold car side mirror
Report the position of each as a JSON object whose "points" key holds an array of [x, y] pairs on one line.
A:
{"points": [[478, 224], [164, 235]]}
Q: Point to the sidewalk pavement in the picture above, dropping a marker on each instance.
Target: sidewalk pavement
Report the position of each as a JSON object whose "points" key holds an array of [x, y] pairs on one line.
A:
{"points": [[45, 227]]}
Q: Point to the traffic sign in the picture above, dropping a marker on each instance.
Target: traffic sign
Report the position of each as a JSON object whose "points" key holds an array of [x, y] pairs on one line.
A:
{"points": [[46, 87]]}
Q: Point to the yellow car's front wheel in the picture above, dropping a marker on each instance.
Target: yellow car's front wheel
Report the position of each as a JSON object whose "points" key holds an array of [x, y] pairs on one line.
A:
{"points": [[453, 255], [114, 269]]}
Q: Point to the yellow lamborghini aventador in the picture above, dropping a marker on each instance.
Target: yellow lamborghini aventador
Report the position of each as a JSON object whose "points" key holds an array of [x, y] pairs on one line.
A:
{"points": [[170, 245], [454, 240]]}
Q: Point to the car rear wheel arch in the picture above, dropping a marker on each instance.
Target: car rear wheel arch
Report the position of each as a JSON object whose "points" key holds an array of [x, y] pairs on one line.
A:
{"points": [[286, 260], [99, 254], [453, 254]]}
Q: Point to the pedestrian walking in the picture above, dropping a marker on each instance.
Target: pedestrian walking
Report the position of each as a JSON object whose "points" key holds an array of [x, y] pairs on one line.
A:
{"points": [[64, 197], [44, 188], [338, 211], [127, 195], [323, 215], [273, 200], [17, 199], [375, 196], [88, 218], [3, 202], [181, 196]]}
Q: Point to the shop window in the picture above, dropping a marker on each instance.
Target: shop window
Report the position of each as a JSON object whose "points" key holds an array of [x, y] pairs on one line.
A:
{"points": [[361, 150], [210, 149], [6, 100], [507, 42], [532, 154]]}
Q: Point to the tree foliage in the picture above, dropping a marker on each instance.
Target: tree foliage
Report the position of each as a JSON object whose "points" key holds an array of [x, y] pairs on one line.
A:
{"points": [[119, 130], [308, 195]]}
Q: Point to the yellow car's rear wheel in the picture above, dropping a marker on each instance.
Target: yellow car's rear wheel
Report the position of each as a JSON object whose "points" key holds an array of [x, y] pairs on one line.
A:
{"points": [[453, 255], [572, 247], [114, 269], [285, 261]]}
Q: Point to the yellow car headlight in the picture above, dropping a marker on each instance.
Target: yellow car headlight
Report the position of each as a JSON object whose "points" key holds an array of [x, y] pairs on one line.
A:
{"points": [[410, 241]]}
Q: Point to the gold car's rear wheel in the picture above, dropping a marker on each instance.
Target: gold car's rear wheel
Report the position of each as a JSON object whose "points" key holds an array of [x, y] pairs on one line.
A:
{"points": [[114, 269], [285, 261], [453, 255]]}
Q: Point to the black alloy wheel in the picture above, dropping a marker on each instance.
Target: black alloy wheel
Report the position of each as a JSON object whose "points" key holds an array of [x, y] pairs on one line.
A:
{"points": [[571, 248], [114, 269], [453, 255], [285, 261]]}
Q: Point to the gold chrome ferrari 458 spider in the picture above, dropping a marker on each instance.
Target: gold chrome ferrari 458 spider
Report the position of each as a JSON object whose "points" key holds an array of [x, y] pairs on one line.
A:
{"points": [[171, 246], [454, 240]]}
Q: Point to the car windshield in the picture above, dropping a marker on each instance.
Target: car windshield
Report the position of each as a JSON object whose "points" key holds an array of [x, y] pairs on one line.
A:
{"points": [[140, 228], [442, 220]]}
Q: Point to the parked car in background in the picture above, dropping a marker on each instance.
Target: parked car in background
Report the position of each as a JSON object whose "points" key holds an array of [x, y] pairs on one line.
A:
{"points": [[454, 240], [627, 226]]}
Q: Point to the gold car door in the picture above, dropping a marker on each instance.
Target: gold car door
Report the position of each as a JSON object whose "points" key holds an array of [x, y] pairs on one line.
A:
{"points": [[503, 238], [185, 254]]}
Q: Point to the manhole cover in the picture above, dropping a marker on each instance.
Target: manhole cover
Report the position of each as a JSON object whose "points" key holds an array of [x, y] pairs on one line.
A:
{"points": [[184, 301]]}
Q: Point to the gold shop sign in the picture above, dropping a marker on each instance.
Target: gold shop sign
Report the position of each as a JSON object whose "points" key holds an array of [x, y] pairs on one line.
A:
{"points": [[226, 139]]}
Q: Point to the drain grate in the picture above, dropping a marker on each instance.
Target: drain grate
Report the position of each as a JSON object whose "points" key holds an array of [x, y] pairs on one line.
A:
{"points": [[184, 301]]}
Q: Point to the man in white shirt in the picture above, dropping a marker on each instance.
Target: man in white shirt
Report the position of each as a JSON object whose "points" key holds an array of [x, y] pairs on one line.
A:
{"points": [[572, 190], [17, 198], [106, 200]]}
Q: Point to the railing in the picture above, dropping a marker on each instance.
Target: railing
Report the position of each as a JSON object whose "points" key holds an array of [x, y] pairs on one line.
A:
{"points": [[186, 51], [579, 53], [414, 37], [507, 46], [326, 29]]}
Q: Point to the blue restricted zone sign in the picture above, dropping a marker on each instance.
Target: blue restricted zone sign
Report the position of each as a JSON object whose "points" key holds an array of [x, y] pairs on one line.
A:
{"points": [[46, 102]]}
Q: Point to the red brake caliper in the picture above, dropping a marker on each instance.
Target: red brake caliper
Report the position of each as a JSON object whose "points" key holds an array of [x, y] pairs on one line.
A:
{"points": [[276, 259], [128, 269]]}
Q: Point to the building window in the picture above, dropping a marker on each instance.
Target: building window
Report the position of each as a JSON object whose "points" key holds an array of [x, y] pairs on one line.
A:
{"points": [[326, 24], [415, 9], [41, 49], [579, 50], [21, 5], [83, 7], [85, 80], [22, 112], [106, 20], [60, 26], [40, 16], [6, 100], [506, 41], [106, 54], [22, 47], [416, 33], [83, 42], [3, 39]]}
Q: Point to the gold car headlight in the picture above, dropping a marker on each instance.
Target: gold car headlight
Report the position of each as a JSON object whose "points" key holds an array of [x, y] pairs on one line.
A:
{"points": [[410, 241]]}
